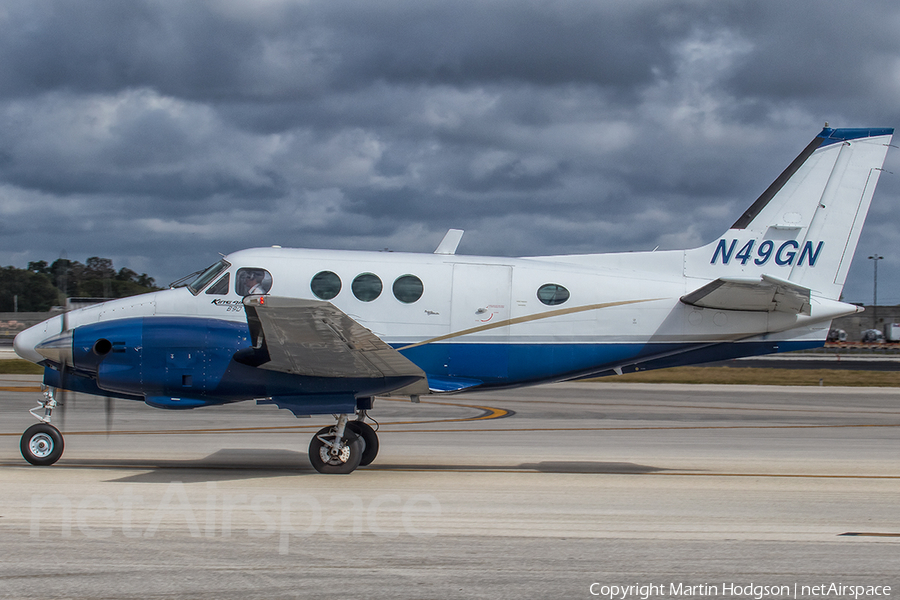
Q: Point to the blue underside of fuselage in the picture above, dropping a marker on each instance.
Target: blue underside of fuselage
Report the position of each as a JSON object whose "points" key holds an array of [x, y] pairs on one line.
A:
{"points": [[509, 365], [158, 360]]}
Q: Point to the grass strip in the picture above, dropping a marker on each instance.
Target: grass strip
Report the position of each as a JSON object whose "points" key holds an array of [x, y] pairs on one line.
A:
{"points": [[17, 366]]}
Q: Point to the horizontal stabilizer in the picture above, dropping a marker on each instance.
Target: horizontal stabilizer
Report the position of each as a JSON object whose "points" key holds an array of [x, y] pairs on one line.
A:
{"points": [[316, 339], [764, 293]]}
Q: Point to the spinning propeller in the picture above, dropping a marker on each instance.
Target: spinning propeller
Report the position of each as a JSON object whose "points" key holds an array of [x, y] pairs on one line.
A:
{"points": [[59, 350], [62, 392]]}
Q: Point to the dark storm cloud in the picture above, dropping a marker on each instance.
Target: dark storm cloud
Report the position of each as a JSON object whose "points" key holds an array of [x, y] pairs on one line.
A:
{"points": [[827, 53], [220, 50], [159, 133], [521, 41]]}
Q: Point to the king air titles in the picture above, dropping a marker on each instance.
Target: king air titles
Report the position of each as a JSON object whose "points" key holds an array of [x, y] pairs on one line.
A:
{"points": [[784, 253]]}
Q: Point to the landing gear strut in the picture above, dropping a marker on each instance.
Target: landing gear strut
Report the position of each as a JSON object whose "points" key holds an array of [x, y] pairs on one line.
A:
{"points": [[343, 447], [42, 443]]}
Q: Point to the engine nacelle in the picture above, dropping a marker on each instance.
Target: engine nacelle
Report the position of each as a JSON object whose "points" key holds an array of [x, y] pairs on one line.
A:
{"points": [[112, 353], [159, 357]]}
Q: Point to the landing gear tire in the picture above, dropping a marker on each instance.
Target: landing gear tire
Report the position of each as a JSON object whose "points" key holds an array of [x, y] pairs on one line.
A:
{"points": [[42, 444], [369, 437], [332, 458]]}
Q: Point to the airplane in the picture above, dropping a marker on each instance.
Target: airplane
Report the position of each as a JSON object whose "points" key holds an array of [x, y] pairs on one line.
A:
{"points": [[321, 332]]}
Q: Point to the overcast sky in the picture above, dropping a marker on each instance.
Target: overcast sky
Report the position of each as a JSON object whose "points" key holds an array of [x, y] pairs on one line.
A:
{"points": [[159, 134]]}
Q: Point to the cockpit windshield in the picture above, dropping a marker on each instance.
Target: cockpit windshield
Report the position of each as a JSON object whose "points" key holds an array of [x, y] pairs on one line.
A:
{"points": [[207, 275]]}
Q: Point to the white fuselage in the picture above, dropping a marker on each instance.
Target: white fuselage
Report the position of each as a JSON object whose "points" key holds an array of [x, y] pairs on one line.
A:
{"points": [[625, 304]]}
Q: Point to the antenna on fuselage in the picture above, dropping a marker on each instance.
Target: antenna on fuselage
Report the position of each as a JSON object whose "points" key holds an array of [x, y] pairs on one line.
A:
{"points": [[450, 242]]}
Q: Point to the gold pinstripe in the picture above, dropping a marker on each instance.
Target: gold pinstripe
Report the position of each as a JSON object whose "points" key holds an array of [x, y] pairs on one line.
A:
{"points": [[526, 319]]}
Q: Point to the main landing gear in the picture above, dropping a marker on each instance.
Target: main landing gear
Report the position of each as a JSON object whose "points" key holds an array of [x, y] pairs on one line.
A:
{"points": [[339, 449], [343, 447], [42, 443]]}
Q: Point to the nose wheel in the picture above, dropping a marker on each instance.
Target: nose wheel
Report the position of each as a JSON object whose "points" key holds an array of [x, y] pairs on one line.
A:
{"points": [[42, 444]]}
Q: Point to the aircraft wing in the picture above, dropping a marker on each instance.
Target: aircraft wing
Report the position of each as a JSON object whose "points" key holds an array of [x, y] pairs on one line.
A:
{"points": [[764, 293], [314, 338]]}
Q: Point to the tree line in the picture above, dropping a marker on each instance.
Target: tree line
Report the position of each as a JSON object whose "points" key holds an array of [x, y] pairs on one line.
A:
{"points": [[42, 286]]}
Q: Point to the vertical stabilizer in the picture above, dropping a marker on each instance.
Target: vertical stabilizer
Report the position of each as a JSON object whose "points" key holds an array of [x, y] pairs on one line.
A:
{"points": [[804, 228]]}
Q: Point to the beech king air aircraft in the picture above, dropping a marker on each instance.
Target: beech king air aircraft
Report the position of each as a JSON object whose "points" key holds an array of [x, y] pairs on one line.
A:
{"points": [[324, 332]]}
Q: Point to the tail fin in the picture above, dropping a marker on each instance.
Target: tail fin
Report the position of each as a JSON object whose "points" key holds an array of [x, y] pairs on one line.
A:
{"points": [[804, 228]]}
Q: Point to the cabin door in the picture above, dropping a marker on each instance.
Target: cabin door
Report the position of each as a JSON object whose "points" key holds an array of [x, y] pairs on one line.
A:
{"points": [[479, 314]]}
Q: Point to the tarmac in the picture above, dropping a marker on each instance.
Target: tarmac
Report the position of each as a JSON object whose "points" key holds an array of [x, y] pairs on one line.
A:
{"points": [[560, 491]]}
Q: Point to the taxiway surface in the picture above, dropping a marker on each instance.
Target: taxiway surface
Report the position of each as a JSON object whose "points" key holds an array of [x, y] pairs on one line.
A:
{"points": [[531, 493]]}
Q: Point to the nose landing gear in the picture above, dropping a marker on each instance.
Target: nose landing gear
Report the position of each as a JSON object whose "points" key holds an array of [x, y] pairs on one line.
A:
{"points": [[42, 443]]}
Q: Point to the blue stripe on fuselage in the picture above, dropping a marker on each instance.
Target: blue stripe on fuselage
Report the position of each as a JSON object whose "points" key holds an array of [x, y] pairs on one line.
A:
{"points": [[186, 357], [520, 364]]}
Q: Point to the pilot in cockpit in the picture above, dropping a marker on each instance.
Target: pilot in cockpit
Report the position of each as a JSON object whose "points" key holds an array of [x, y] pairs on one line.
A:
{"points": [[253, 282]]}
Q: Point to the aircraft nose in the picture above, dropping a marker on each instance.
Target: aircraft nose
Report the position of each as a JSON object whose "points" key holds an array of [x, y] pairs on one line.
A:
{"points": [[26, 342]]}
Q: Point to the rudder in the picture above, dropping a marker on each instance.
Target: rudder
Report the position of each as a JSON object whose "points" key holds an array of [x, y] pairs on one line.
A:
{"points": [[805, 227]]}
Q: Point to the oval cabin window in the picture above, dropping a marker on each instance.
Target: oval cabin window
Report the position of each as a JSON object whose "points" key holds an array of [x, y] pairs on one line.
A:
{"points": [[366, 287], [552, 294], [408, 288], [325, 285]]}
